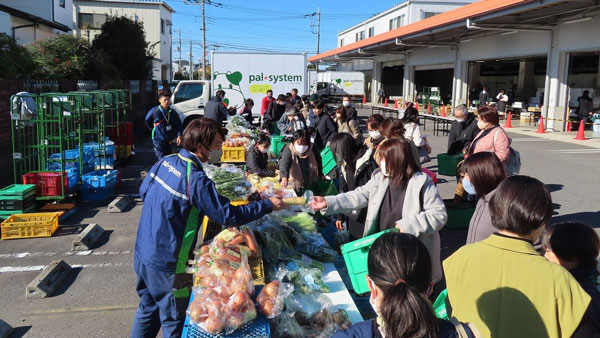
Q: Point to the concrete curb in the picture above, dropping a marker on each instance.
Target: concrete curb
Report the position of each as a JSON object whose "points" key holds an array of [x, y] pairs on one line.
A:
{"points": [[48, 280], [120, 204], [5, 329], [87, 238], [556, 136]]}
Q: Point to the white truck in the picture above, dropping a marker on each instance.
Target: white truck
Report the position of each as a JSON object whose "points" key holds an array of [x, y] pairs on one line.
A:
{"points": [[242, 76], [337, 84]]}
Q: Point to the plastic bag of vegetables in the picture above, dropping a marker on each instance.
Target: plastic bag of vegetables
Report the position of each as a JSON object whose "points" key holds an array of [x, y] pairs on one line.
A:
{"points": [[240, 310], [312, 311], [225, 173], [304, 279], [271, 298], [286, 326], [234, 190], [208, 310], [302, 222]]}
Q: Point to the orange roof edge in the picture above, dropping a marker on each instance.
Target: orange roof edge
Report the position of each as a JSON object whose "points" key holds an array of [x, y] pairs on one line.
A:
{"points": [[451, 16]]}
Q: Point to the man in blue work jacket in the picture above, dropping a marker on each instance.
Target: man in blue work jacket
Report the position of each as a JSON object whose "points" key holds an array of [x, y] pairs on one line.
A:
{"points": [[165, 125], [177, 194]]}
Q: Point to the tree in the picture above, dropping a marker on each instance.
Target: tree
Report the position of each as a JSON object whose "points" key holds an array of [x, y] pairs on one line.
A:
{"points": [[60, 57], [15, 60], [122, 47]]}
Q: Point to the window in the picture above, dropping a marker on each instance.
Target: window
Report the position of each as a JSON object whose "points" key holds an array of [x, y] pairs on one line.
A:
{"points": [[162, 26], [360, 35], [91, 21], [61, 3], [341, 42], [371, 31], [393, 23], [429, 14], [401, 20], [188, 91]]}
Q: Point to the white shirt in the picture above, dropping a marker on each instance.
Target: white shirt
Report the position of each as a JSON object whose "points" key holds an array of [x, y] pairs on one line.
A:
{"points": [[413, 133]]}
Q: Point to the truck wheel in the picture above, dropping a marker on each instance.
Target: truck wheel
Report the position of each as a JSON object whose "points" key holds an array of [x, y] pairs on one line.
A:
{"points": [[190, 119]]}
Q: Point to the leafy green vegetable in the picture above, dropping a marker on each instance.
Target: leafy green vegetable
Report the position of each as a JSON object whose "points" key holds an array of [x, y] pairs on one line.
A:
{"points": [[234, 190], [301, 222]]}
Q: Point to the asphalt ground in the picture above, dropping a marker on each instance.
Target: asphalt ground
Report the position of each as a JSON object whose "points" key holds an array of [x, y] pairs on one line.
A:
{"points": [[99, 298]]}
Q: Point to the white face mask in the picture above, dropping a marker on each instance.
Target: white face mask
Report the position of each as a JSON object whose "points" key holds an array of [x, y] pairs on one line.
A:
{"points": [[300, 148], [375, 134], [460, 120], [312, 140], [296, 117], [481, 125], [346, 103], [483, 91], [263, 150], [383, 168]]}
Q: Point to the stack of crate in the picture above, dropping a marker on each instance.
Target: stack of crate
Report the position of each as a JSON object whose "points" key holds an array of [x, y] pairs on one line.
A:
{"points": [[17, 199], [98, 185]]}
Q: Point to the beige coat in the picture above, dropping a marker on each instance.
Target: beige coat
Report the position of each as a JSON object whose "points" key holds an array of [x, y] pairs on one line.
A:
{"points": [[350, 127], [423, 212]]}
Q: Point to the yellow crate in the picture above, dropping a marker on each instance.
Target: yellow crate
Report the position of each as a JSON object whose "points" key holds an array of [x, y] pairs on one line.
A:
{"points": [[30, 225], [234, 155], [123, 151], [211, 228]]}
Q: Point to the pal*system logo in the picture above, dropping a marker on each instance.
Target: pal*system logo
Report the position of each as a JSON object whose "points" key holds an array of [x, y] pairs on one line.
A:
{"points": [[274, 78]]}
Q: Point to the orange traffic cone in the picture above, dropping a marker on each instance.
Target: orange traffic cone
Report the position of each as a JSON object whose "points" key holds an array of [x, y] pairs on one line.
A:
{"points": [[581, 132], [569, 127], [417, 106], [385, 103], [429, 108], [508, 123], [541, 129], [396, 104], [444, 111], [364, 99]]}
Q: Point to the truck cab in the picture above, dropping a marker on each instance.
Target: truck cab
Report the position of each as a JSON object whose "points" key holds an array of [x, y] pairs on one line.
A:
{"points": [[189, 98]]}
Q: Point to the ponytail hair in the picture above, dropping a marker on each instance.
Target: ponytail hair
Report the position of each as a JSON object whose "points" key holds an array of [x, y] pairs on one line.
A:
{"points": [[400, 265]]}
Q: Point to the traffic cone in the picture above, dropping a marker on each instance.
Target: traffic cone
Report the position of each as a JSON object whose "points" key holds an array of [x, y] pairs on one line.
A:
{"points": [[364, 99], [396, 104], [429, 108], [385, 103], [581, 132], [508, 123], [417, 106], [541, 129], [444, 111], [569, 127]]}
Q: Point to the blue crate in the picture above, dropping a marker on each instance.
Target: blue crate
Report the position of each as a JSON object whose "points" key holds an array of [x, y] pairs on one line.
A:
{"points": [[258, 328], [104, 162], [106, 148], [89, 167], [73, 154], [100, 178], [72, 177], [97, 194]]}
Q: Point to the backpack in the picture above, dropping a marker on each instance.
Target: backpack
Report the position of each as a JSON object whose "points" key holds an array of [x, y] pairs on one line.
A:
{"points": [[513, 165], [465, 330]]}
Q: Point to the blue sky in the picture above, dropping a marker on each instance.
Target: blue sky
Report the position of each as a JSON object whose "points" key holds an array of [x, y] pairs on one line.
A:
{"points": [[266, 25]]}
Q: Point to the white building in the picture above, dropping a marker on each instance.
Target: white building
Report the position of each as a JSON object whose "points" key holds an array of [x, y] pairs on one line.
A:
{"points": [[155, 15], [28, 21], [403, 14], [546, 52]]}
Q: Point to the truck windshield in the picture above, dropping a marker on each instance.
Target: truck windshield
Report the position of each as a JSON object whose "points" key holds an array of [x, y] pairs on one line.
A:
{"points": [[188, 91]]}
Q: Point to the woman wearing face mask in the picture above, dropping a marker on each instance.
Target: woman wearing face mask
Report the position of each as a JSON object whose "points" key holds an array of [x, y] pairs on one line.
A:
{"points": [[394, 128], [373, 125], [300, 163], [400, 282], [481, 174], [257, 158], [491, 137], [346, 125], [398, 196]]}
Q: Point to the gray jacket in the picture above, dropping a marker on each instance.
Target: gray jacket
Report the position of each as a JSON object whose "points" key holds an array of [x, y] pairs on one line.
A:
{"points": [[424, 212], [481, 226]]}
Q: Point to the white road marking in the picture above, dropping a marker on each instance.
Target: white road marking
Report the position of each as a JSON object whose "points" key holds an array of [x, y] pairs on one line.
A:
{"points": [[67, 254], [8, 269], [528, 139], [576, 151]]}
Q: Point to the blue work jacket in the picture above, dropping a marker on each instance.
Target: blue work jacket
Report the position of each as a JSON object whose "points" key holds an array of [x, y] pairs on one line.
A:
{"points": [[165, 126], [177, 194]]}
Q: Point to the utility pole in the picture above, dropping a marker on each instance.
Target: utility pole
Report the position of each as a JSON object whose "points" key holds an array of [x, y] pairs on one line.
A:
{"points": [[318, 29], [191, 60], [203, 42], [179, 68]]}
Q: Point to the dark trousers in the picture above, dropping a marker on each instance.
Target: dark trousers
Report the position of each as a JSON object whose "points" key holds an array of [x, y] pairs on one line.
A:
{"points": [[158, 307]]}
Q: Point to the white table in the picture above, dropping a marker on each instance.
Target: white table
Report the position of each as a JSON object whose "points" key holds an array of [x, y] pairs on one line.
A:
{"points": [[339, 295]]}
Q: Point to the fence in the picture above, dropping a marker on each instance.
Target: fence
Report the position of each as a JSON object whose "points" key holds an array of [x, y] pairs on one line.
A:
{"points": [[143, 97]]}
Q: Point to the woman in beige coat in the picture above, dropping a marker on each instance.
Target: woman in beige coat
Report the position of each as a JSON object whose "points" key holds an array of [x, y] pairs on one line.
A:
{"points": [[346, 125], [398, 196]]}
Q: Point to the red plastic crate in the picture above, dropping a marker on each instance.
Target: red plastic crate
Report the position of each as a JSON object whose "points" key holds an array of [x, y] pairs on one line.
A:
{"points": [[46, 184], [32, 178], [125, 136]]}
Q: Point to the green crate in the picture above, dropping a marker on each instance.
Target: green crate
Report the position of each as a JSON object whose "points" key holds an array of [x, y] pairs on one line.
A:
{"points": [[4, 214], [447, 163], [323, 188], [328, 160], [458, 217], [17, 191], [356, 256], [277, 144]]}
